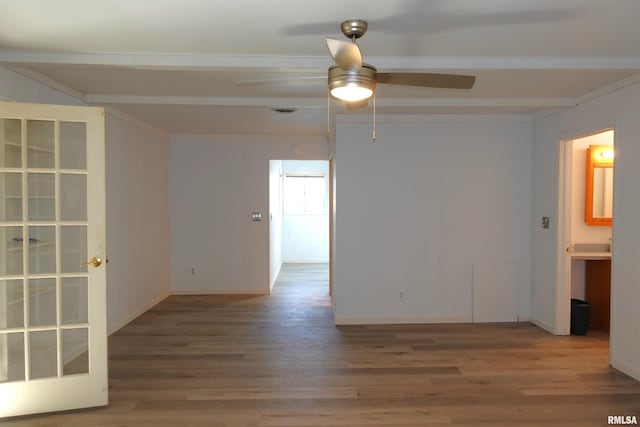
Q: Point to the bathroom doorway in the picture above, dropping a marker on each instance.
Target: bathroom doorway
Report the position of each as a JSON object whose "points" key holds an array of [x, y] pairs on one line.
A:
{"points": [[585, 229]]}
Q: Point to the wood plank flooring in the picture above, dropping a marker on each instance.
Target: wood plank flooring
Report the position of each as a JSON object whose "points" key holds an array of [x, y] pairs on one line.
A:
{"points": [[278, 360]]}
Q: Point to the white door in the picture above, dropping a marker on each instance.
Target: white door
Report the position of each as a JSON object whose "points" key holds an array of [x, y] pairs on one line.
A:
{"points": [[53, 341]]}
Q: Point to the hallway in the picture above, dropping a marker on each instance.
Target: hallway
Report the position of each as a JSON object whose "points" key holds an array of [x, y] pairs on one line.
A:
{"points": [[303, 280]]}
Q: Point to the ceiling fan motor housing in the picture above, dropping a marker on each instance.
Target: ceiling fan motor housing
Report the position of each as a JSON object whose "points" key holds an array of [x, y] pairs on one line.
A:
{"points": [[365, 77]]}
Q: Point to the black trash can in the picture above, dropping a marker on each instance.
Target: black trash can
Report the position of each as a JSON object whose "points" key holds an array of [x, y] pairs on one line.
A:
{"points": [[579, 316]]}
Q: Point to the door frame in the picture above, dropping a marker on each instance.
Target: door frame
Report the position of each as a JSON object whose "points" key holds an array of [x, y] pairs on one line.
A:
{"points": [[330, 183], [562, 317]]}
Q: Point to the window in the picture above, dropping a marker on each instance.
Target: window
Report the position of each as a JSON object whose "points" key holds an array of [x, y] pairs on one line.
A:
{"points": [[304, 194]]}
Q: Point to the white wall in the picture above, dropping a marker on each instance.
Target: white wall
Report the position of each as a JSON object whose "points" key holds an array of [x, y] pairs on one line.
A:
{"points": [[419, 207], [306, 236], [137, 203], [137, 219], [578, 279], [625, 275], [275, 219], [216, 183], [619, 109]]}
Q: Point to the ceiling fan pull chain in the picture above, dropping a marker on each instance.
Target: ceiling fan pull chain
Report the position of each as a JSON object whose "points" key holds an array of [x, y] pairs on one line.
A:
{"points": [[328, 116], [373, 135]]}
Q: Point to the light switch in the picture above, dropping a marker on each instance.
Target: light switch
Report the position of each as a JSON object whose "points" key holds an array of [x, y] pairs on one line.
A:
{"points": [[256, 216], [545, 222]]}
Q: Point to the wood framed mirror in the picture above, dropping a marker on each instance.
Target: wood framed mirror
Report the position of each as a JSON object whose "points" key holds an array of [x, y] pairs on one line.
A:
{"points": [[598, 208]]}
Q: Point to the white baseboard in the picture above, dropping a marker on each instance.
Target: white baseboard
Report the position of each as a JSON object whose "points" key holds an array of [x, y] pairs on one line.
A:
{"points": [[632, 371], [221, 291], [542, 324], [275, 277], [123, 322], [346, 320], [305, 261]]}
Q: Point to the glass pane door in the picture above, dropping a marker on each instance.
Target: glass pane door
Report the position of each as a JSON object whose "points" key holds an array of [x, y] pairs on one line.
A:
{"points": [[51, 320]]}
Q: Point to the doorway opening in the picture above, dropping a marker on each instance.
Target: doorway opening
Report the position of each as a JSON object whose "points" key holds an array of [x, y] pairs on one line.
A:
{"points": [[299, 221], [585, 233]]}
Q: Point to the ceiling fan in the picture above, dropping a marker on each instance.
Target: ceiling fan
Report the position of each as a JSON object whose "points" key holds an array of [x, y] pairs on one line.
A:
{"points": [[353, 81]]}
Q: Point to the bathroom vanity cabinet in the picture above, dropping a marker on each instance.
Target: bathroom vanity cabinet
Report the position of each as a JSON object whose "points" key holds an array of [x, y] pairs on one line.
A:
{"points": [[598, 292]]}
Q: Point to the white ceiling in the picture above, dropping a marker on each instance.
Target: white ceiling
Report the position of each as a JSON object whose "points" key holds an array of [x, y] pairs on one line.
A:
{"points": [[187, 66]]}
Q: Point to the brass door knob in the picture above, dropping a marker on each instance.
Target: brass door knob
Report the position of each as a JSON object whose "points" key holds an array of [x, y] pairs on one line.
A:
{"points": [[94, 262]]}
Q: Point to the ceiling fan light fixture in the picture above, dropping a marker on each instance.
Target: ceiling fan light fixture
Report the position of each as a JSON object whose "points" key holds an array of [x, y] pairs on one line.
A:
{"points": [[351, 93], [352, 85]]}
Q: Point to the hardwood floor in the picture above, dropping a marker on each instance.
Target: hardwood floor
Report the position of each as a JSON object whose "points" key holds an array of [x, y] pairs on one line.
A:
{"points": [[279, 361]]}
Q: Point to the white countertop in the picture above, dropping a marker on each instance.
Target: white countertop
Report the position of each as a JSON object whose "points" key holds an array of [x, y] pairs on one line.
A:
{"points": [[590, 255]]}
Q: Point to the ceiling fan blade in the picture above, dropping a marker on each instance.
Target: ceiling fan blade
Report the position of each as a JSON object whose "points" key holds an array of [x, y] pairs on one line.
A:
{"points": [[346, 54], [445, 81]]}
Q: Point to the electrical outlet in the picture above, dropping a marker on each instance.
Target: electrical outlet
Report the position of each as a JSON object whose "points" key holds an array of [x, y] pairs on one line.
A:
{"points": [[401, 295], [193, 271]]}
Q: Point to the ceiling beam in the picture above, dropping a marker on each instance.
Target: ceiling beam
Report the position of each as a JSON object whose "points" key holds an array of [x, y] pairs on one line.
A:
{"points": [[320, 103], [274, 62], [53, 84], [205, 100]]}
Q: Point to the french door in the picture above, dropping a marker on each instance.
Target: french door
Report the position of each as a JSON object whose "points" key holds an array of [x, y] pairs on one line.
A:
{"points": [[53, 341]]}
